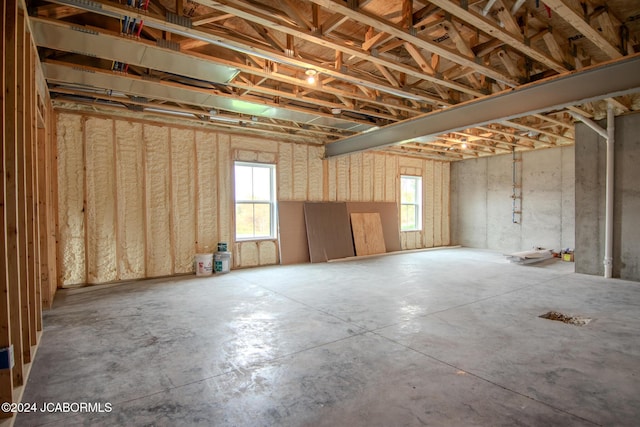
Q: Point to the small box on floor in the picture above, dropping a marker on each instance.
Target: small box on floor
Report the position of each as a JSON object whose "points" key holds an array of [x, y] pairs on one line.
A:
{"points": [[568, 256]]}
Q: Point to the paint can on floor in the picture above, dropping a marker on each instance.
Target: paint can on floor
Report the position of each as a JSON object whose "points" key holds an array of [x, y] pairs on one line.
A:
{"points": [[222, 247], [204, 264], [222, 262]]}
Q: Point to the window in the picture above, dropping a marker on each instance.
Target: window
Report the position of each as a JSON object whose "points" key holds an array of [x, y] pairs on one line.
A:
{"points": [[255, 201], [410, 203]]}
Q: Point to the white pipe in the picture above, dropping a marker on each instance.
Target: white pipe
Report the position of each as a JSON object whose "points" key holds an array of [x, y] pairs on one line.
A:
{"points": [[593, 125], [608, 245], [487, 7], [517, 5]]}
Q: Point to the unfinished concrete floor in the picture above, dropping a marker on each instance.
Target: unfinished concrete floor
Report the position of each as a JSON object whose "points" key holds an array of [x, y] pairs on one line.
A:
{"points": [[443, 338]]}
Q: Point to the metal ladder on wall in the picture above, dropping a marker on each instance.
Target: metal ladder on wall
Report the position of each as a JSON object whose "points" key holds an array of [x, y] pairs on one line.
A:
{"points": [[516, 195]]}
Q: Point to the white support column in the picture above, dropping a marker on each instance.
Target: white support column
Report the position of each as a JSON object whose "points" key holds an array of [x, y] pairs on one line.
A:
{"points": [[608, 247]]}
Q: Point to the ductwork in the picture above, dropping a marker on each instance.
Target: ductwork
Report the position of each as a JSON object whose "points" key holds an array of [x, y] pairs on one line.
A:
{"points": [[70, 75]]}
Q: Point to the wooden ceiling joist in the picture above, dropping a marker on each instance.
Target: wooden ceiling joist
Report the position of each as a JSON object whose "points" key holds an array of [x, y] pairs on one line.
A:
{"points": [[574, 18]]}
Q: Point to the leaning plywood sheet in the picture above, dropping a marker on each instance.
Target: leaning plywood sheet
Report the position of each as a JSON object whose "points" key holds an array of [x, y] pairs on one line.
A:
{"points": [[367, 233], [294, 246], [388, 216], [528, 257], [328, 231]]}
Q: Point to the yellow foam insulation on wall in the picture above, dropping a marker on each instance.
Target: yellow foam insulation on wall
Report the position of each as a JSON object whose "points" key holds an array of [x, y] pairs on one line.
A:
{"points": [[226, 209], [284, 171], [342, 178], [183, 198], [207, 220], [355, 177], [315, 171], [368, 179], [378, 177], [437, 204], [130, 184], [391, 179], [427, 202], [71, 227], [101, 201], [446, 234], [300, 159], [331, 190], [267, 252], [157, 167], [248, 254]]}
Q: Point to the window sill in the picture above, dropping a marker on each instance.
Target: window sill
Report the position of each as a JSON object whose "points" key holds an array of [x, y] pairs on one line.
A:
{"points": [[256, 239]]}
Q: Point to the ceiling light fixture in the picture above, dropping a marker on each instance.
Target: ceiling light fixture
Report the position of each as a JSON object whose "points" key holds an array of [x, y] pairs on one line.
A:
{"points": [[311, 76]]}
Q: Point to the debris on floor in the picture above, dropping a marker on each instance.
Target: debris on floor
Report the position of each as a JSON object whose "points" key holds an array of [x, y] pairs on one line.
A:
{"points": [[528, 257], [572, 320]]}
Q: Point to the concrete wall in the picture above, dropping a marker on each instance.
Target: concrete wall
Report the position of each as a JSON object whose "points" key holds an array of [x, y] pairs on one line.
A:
{"points": [[590, 199], [481, 202]]}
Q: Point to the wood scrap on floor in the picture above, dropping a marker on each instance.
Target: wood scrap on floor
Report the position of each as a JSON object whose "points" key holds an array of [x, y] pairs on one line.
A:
{"points": [[530, 257]]}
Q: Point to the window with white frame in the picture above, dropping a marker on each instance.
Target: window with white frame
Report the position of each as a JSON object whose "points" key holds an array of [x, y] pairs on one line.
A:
{"points": [[410, 203], [255, 200]]}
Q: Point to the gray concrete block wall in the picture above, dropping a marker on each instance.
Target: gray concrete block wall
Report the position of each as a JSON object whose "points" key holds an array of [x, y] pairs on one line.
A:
{"points": [[590, 199], [481, 191]]}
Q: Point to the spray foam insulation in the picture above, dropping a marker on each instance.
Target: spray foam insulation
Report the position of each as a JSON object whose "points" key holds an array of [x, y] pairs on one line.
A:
{"points": [[183, 198], [130, 193], [71, 243], [207, 220], [101, 206], [157, 178]]}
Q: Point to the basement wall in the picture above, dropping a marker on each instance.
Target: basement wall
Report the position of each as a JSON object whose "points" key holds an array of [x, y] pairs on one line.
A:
{"points": [[137, 199], [590, 199], [481, 201]]}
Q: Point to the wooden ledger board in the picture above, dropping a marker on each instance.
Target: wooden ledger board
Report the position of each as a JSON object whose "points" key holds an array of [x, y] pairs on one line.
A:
{"points": [[367, 233]]}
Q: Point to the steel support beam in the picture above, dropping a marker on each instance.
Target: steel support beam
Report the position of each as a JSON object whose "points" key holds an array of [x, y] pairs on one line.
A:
{"points": [[603, 81]]}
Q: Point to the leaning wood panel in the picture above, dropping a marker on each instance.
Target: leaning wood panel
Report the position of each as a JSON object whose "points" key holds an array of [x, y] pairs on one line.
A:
{"points": [[328, 231], [101, 201], [130, 193], [437, 204], [367, 233], [388, 212], [207, 220], [158, 230], [183, 198], [427, 203], [294, 246]]}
